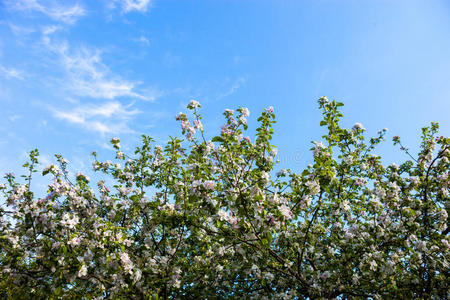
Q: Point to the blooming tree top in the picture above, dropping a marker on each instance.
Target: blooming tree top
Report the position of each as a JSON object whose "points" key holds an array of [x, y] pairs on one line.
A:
{"points": [[211, 220]]}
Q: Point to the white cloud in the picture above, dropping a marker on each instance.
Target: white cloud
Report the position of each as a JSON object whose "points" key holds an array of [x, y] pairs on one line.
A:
{"points": [[53, 9], [107, 118], [47, 30], [236, 85], [89, 77], [139, 5], [20, 30], [142, 39], [11, 73], [130, 5]]}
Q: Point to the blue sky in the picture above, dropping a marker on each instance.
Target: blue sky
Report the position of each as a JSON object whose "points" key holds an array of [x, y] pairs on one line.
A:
{"points": [[74, 74]]}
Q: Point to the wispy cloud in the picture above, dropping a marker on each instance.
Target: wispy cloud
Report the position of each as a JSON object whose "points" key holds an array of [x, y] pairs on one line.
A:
{"points": [[53, 9], [107, 118], [47, 30], [88, 76], [11, 73], [20, 30], [138, 5], [234, 87], [142, 39]]}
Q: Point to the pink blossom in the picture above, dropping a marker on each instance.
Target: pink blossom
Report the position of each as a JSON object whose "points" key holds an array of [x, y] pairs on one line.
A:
{"points": [[285, 211], [193, 104], [198, 125], [209, 184]]}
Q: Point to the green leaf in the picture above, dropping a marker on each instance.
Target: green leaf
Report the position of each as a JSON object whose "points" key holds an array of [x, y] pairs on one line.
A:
{"points": [[217, 139]]}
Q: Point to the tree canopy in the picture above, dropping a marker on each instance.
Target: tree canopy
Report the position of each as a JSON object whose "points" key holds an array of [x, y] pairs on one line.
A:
{"points": [[201, 218]]}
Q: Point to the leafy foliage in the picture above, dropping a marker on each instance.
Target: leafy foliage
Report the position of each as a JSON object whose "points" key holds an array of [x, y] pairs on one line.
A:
{"points": [[210, 220]]}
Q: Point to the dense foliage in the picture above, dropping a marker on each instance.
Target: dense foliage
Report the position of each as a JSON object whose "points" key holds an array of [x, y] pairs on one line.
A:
{"points": [[201, 219]]}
